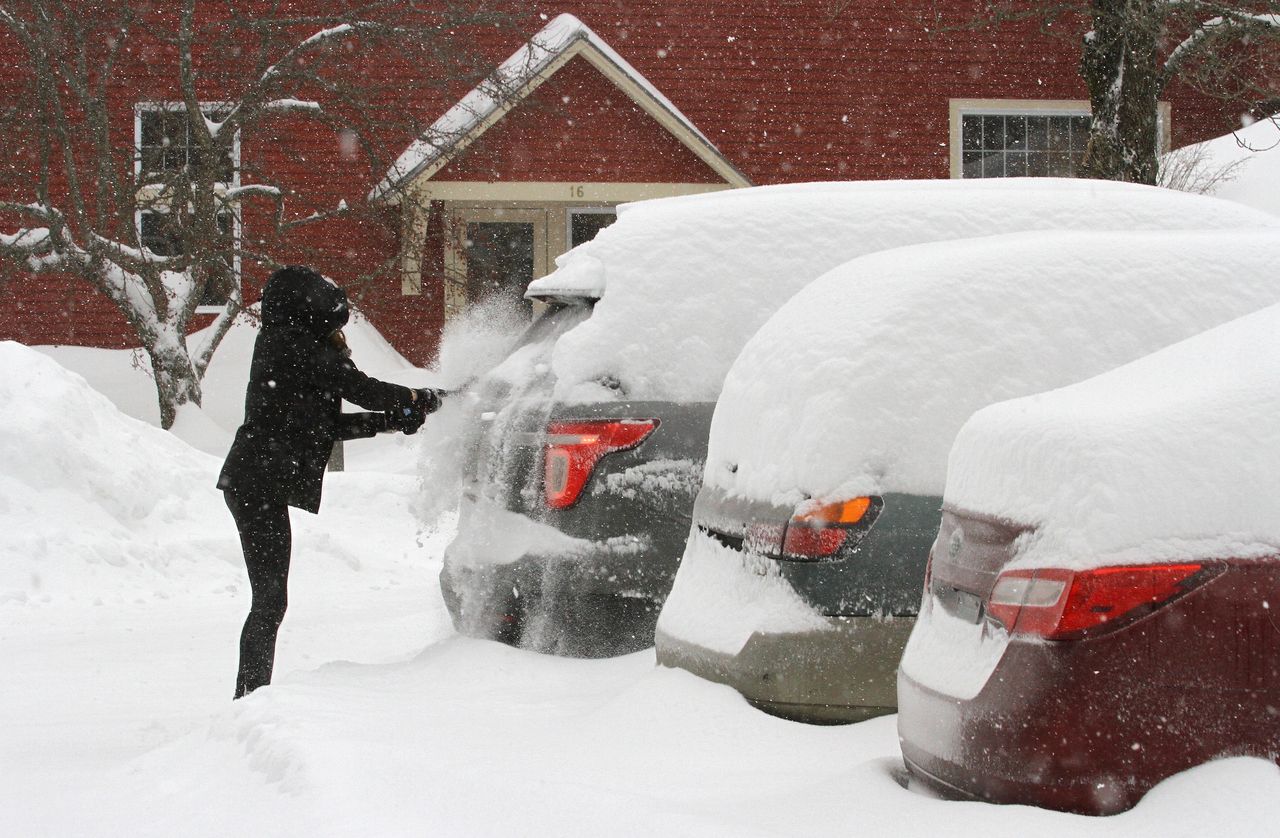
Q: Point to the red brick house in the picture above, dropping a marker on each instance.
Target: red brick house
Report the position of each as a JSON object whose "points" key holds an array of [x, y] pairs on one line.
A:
{"points": [[599, 102]]}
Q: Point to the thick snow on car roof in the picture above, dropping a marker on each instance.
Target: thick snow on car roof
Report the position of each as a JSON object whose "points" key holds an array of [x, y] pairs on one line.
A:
{"points": [[685, 281], [1175, 456], [860, 383]]}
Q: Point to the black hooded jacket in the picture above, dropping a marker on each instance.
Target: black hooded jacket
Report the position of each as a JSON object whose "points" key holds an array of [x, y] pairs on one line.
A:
{"points": [[293, 405]]}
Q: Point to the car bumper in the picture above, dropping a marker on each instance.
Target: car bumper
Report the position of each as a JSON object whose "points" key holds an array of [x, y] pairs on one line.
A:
{"points": [[512, 579], [842, 673], [1023, 743], [1075, 730]]}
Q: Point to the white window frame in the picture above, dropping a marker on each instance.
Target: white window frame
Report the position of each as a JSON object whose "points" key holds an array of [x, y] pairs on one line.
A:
{"points": [[960, 108], [139, 109], [456, 219]]}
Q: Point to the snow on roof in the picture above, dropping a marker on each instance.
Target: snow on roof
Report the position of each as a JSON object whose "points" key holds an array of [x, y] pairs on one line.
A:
{"points": [[684, 282], [514, 79], [1174, 457]]}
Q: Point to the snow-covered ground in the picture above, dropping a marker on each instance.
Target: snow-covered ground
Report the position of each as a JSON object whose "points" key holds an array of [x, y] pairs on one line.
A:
{"points": [[121, 598]]}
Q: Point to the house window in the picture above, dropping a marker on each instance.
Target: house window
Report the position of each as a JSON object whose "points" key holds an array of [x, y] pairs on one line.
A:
{"points": [[166, 153], [586, 222], [999, 138], [167, 148], [1024, 138], [1023, 145]]}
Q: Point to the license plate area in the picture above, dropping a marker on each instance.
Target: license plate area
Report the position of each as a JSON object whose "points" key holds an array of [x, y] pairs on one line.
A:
{"points": [[962, 605]]}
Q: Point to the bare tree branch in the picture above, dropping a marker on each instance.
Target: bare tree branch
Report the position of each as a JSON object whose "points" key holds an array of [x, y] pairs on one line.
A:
{"points": [[81, 189]]}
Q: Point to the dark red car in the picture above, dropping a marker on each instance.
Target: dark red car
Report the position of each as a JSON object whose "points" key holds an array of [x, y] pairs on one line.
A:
{"points": [[1110, 680], [1042, 673]]}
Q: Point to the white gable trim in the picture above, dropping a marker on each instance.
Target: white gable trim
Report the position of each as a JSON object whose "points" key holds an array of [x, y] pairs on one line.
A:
{"points": [[559, 42]]}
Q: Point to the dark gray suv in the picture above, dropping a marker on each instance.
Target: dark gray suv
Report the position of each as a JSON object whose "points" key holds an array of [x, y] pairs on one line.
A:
{"points": [[583, 508]]}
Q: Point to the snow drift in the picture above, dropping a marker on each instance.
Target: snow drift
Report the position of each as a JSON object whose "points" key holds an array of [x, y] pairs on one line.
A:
{"points": [[86, 490], [1243, 166], [99, 507]]}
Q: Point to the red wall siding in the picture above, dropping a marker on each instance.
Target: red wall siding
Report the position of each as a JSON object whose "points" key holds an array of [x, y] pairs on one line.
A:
{"points": [[789, 90], [579, 127], [413, 323]]}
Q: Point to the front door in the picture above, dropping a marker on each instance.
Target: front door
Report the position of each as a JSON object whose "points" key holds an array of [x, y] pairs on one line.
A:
{"points": [[499, 263], [495, 254]]}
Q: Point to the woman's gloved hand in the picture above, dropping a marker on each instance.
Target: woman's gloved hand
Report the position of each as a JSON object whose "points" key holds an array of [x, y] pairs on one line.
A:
{"points": [[406, 419], [429, 400]]}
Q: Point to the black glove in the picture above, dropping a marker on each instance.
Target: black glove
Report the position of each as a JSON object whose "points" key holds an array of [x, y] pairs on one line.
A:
{"points": [[406, 419], [429, 400]]}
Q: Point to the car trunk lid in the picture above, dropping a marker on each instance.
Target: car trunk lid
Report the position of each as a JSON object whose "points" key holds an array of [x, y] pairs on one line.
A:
{"points": [[741, 523], [967, 557]]}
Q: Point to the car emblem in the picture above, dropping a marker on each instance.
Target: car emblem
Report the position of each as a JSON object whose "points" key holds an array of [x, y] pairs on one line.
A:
{"points": [[957, 541]]}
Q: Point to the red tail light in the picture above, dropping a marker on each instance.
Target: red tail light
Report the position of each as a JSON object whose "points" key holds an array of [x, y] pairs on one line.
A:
{"points": [[820, 531], [1057, 604], [574, 448]]}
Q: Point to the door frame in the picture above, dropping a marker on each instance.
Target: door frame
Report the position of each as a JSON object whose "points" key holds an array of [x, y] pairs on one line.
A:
{"points": [[457, 217]]}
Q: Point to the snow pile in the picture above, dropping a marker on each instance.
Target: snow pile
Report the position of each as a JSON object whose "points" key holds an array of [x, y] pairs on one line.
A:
{"points": [[1173, 457], [687, 280], [99, 507], [91, 501], [1243, 166], [722, 597], [859, 384]]}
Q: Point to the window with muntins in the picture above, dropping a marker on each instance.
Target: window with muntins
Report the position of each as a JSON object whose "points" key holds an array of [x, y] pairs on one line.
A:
{"points": [[166, 150], [166, 147], [1022, 144]]}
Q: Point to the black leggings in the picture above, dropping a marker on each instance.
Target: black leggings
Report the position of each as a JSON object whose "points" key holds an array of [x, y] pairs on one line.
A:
{"points": [[266, 540]]}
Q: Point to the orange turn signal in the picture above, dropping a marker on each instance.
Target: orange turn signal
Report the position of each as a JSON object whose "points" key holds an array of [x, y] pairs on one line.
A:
{"points": [[841, 512]]}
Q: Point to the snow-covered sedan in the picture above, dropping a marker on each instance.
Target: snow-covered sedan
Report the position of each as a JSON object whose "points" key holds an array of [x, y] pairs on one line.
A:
{"points": [[800, 581], [1101, 608], [589, 440]]}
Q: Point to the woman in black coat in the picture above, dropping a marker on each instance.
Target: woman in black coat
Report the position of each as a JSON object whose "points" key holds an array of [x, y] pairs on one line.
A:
{"points": [[300, 374]]}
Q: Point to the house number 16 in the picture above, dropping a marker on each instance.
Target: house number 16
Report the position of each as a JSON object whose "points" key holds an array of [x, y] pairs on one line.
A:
{"points": [[577, 191]]}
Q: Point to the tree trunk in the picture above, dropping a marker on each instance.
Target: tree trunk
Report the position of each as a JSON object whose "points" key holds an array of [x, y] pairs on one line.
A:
{"points": [[176, 382], [1120, 67]]}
